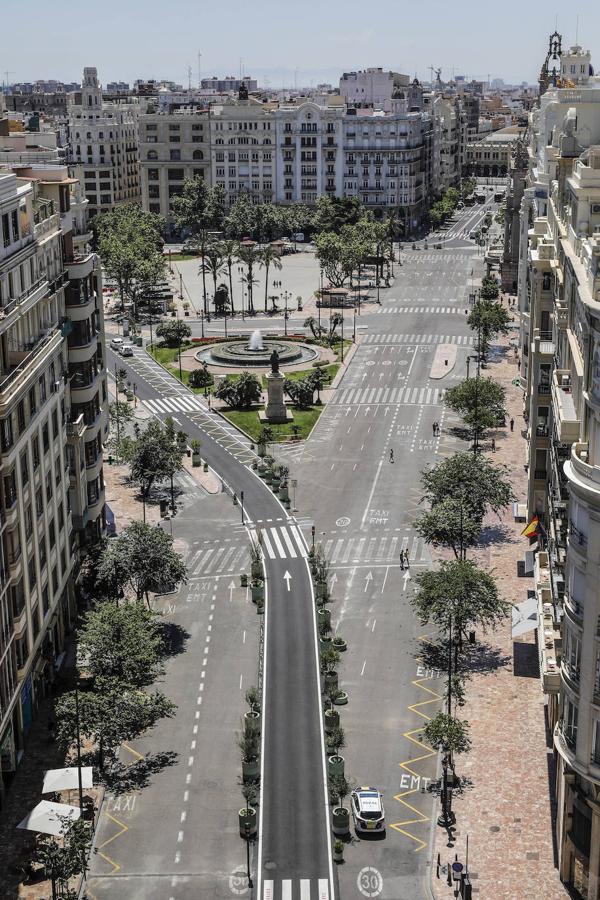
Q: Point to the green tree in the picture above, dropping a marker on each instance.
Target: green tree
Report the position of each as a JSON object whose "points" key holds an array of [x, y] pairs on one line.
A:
{"points": [[241, 393], [122, 641], [489, 288], [332, 252], [300, 391], [249, 256], [332, 213], [488, 319], [449, 523], [269, 256], [142, 559], [109, 714], [130, 247], [213, 262], [198, 211], [480, 402], [174, 333], [446, 733], [241, 221], [200, 378], [230, 251], [67, 859], [154, 456], [313, 324], [458, 596], [297, 217], [483, 485]]}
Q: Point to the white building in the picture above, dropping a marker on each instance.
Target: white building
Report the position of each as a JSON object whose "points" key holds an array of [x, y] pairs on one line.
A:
{"points": [[103, 140], [371, 87], [559, 299], [52, 425]]}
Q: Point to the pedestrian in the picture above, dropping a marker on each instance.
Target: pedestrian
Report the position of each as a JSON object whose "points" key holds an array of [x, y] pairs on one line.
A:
{"points": [[402, 560], [406, 559], [512, 424], [493, 445], [434, 428], [391, 455]]}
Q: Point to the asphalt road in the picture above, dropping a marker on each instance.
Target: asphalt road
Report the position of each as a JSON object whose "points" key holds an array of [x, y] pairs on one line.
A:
{"points": [[294, 843]]}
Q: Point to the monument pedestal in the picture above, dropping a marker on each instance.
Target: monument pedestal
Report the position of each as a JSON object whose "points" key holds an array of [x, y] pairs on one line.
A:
{"points": [[275, 412]]}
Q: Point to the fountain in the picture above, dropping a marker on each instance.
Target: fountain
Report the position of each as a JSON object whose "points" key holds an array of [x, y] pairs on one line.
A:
{"points": [[255, 352]]}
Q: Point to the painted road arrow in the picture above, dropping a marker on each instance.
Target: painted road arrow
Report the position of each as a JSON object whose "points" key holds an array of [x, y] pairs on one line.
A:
{"points": [[333, 579], [368, 579], [231, 589], [406, 579], [287, 578]]}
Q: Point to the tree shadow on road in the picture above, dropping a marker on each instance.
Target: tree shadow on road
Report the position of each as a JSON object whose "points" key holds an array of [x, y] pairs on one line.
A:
{"points": [[174, 638], [121, 778]]}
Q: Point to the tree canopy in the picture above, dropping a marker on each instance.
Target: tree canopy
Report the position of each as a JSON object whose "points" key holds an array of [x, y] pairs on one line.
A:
{"points": [[153, 455], [332, 213], [458, 593], [449, 523], [488, 319], [142, 559], [446, 733], [480, 402], [482, 485], [173, 333], [240, 393], [122, 641]]}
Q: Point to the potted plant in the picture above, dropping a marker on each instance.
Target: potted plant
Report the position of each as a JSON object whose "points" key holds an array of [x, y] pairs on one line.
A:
{"points": [[324, 618], [339, 788], [257, 588], [243, 580], [338, 851], [205, 466], [335, 741], [249, 744], [268, 475], [195, 445], [332, 719], [339, 644], [329, 660], [265, 436], [256, 567], [252, 718], [247, 815]]}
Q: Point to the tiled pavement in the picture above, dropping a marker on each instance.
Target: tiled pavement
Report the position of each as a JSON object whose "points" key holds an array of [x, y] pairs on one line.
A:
{"points": [[506, 811]]}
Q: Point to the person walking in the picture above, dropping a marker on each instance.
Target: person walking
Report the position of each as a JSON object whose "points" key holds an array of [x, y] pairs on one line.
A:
{"points": [[512, 424], [493, 445], [434, 426], [402, 560], [406, 559], [391, 455]]}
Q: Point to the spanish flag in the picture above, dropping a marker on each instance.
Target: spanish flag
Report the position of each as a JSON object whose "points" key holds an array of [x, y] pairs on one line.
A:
{"points": [[531, 529]]}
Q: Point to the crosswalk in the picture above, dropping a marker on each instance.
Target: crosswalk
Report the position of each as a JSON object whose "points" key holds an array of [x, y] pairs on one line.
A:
{"points": [[280, 542], [187, 403], [217, 560], [401, 396], [426, 310], [361, 548], [296, 889], [461, 339]]}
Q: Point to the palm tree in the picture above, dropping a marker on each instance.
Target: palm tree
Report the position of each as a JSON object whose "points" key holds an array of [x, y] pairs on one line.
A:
{"points": [[214, 261], [269, 256], [249, 255], [314, 326], [230, 253]]}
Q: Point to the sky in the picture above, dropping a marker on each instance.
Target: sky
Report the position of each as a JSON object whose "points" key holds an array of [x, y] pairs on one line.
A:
{"points": [[285, 43]]}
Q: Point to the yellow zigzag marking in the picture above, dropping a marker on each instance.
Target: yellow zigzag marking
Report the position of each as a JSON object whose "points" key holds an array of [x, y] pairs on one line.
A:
{"points": [[104, 856], [420, 818]]}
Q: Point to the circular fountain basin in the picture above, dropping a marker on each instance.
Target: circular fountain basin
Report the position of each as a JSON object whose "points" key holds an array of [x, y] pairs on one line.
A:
{"points": [[241, 354]]}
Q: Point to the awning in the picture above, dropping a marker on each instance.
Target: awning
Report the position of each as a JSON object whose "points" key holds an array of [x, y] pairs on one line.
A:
{"points": [[524, 616], [66, 779], [44, 817]]}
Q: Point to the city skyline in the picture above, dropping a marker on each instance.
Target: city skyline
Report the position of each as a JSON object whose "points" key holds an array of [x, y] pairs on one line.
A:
{"points": [[299, 51]]}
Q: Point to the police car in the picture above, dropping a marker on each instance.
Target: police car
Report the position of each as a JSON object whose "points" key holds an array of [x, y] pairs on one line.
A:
{"points": [[367, 809]]}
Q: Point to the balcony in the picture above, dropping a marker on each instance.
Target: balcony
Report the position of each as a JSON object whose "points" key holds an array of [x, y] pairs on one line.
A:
{"points": [[14, 308], [568, 424], [581, 473], [549, 637], [76, 428], [81, 266], [27, 364]]}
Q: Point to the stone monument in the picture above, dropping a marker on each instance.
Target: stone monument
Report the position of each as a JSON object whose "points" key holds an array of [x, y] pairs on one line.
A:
{"points": [[275, 412]]}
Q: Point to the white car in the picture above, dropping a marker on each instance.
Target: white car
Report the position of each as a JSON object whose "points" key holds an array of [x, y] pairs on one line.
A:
{"points": [[116, 343], [126, 350], [367, 809]]}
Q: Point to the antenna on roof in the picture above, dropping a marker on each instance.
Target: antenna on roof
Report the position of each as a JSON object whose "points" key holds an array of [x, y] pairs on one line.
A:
{"points": [[577, 31]]}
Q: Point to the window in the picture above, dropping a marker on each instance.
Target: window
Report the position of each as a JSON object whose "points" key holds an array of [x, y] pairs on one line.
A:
{"points": [[5, 230], [154, 208], [32, 402], [152, 174], [175, 154], [39, 503], [28, 523], [31, 571], [570, 715], [24, 469], [58, 470], [198, 154], [197, 127], [49, 488], [54, 424], [35, 450], [6, 433], [152, 154], [45, 437], [175, 174], [51, 532], [174, 139]]}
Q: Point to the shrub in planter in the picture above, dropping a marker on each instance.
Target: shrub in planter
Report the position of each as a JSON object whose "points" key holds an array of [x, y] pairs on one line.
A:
{"points": [[258, 591], [195, 445], [341, 698], [340, 821], [247, 815], [243, 580], [332, 719], [249, 744], [256, 568], [335, 765], [252, 720], [329, 660], [338, 851], [339, 644], [324, 620], [335, 740], [253, 698]]}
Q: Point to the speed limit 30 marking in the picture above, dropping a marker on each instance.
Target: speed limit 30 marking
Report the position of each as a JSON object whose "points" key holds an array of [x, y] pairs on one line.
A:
{"points": [[370, 882]]}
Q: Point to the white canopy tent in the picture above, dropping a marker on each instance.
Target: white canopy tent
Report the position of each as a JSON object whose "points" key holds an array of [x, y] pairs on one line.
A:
{"points": [[45, 817], [66, 779]]}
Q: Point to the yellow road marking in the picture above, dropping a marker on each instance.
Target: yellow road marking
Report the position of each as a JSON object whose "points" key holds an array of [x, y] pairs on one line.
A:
{"points": [[116, 866], [134, 752], [417, 817]]}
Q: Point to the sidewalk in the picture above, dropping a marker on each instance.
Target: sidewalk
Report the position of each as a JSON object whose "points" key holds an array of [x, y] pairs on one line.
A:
{"points": [[506, 808]]}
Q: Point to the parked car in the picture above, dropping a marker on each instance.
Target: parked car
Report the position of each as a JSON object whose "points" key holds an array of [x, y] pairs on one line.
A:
{"points": [[367, 809], [298, 237], [127, 350], [116, 343]]}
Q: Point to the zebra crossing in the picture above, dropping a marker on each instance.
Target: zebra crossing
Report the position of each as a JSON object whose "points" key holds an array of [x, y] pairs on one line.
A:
{"points": [[463, 339], [184, 403], [296, 889], [429, 310], [229, 558], [402, 396]]}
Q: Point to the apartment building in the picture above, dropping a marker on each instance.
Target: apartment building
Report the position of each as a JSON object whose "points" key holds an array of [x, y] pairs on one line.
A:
{"points": [[52, 424], [309, 152], [559, 299], [174, 146], [450, 144], [103, 141], [371, 87], [243, 145]]}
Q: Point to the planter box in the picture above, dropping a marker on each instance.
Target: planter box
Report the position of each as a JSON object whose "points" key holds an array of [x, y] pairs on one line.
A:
{"points": [[340, 821], [243, 580], [332, 719], [258, 593], [339, 644], [321, 590], [331, 679], [252, 720], [256, 570], [251, 770], [335, 765], [247, 822], [325, 643], [341, 699], [196, 460], [324, 615]]}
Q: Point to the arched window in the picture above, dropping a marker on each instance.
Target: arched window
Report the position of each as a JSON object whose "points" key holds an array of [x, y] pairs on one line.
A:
{"points": [[267, 141], [152, 154], [198, 154]]}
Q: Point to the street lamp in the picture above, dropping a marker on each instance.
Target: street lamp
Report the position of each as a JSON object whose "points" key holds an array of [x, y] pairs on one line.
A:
{"points": [[285, 315], [242, 506], [312, 533], [354, 328], [248, 875]]}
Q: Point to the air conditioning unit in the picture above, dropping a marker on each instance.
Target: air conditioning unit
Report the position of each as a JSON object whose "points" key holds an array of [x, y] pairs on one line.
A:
{"points": [[596, 209], [565, 381]]}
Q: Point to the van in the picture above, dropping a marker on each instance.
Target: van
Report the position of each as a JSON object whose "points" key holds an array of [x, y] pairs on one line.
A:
{"points": [[116, 343]]}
